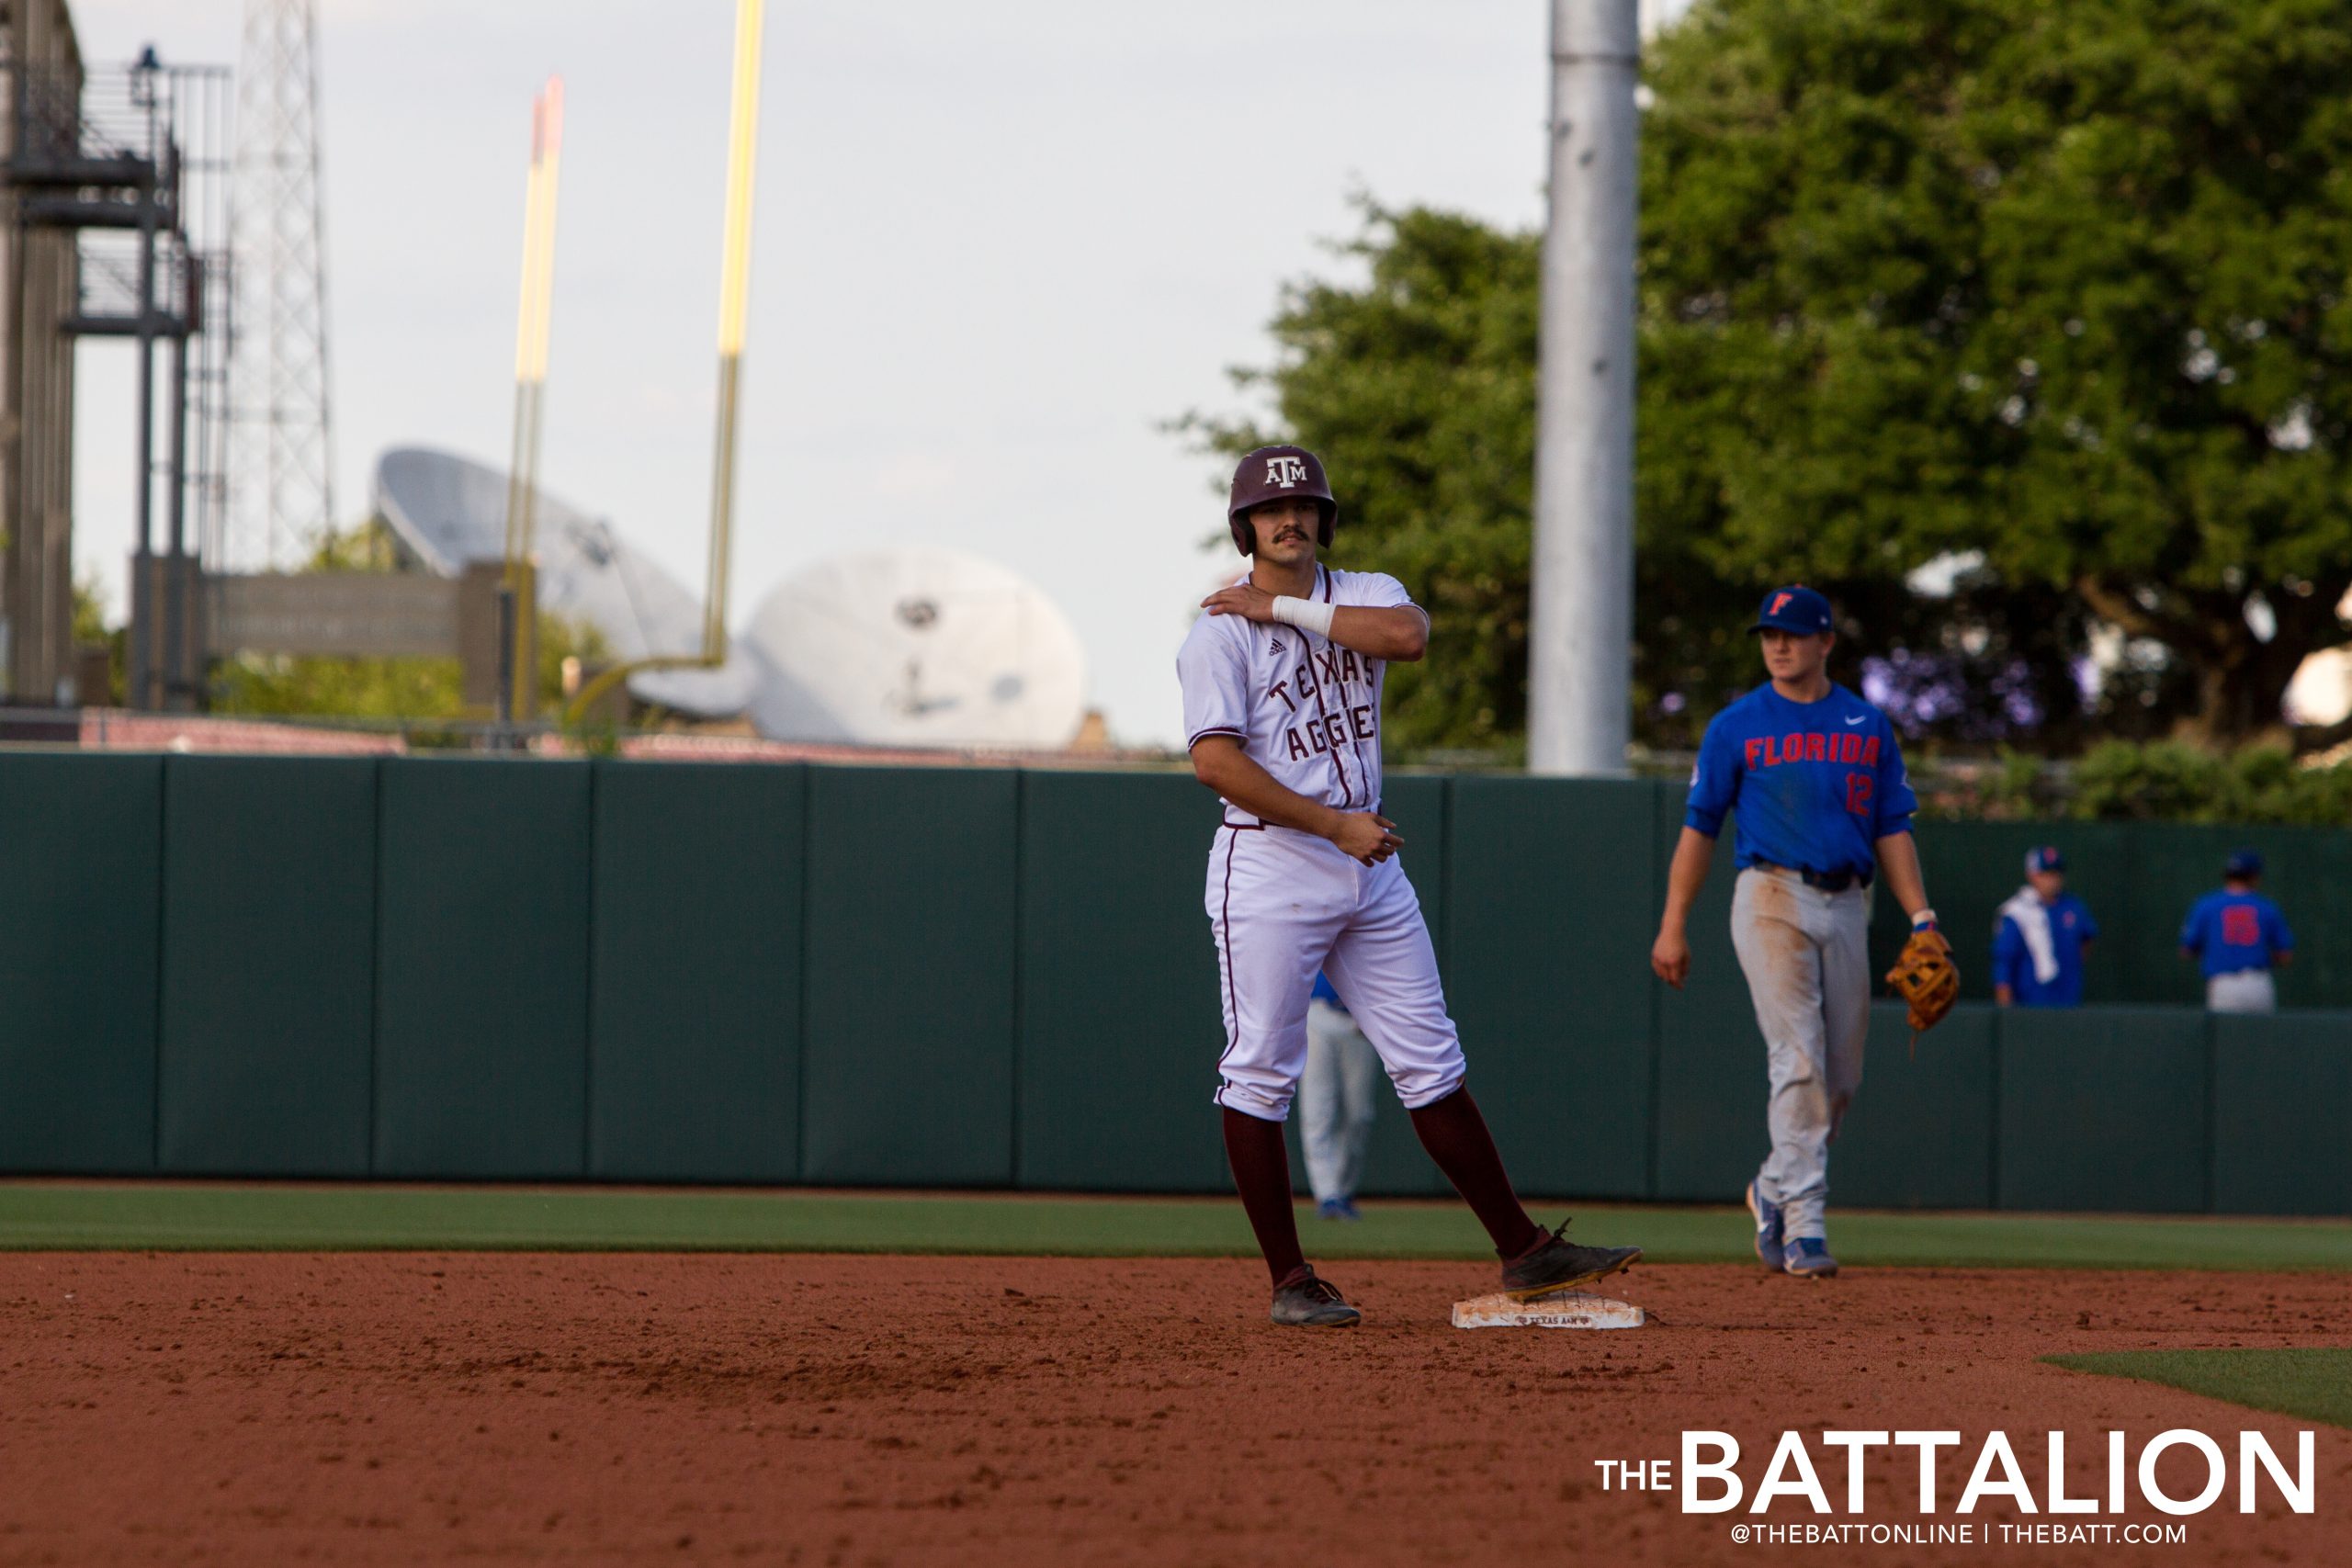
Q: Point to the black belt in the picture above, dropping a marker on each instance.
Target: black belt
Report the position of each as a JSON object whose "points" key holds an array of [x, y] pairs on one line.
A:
{"points": [[1827, 880]]}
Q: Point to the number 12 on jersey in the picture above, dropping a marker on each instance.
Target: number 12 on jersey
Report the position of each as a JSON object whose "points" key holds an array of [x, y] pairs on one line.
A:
{"points": [[1859, 789]]}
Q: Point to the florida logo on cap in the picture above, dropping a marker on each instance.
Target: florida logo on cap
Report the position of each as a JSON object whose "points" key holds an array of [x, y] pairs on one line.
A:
{"points": [[1795, 608]]}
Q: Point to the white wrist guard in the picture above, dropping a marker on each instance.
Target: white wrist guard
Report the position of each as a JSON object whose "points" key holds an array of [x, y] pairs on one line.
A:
{"points": [[1923, 919], [1306, 614]]}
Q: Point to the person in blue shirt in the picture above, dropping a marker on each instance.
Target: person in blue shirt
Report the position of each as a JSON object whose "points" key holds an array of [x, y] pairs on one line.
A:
{"points": [[2238, 936], [1338, 1093], [1817, 778], [2040, 938]]}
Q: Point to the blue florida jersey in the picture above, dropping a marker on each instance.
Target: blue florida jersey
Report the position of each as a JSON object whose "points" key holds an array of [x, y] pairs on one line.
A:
{"points": [[1815, 785], [2229, 931], [2070, 926]]}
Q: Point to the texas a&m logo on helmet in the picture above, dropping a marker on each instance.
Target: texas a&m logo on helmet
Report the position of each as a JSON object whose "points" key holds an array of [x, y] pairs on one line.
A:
{"points": [[1279, 473]]}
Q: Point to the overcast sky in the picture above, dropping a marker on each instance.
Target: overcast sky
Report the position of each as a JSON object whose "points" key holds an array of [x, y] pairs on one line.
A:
{"points": [[997, 246]]}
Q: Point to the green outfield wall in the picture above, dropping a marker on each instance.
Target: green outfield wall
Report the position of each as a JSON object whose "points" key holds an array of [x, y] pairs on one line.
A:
{"points": [[500, 969]]}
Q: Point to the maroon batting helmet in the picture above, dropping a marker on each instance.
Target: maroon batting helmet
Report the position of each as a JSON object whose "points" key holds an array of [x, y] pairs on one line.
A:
{"points": [[1277, 473]]}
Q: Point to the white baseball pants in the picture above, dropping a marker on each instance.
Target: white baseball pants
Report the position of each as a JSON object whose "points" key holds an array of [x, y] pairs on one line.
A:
{"points": [[1806, 955], [1337, 1096], [2242, 990], [1284, 904]]}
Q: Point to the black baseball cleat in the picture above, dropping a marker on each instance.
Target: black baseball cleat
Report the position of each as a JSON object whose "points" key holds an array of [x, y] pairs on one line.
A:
{"points": [[1304, 1301], [1559, 1263]]}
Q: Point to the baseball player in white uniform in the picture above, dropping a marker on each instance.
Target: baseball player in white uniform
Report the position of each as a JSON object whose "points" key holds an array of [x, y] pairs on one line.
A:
{"points": [[1282, 675]]}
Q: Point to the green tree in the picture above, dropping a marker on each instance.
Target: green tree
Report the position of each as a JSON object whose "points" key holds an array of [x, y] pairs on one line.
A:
{"points": [[2060, 284], [90, 629], [1418, 389], [2057, 286], [1416, 385], [407, 688]]}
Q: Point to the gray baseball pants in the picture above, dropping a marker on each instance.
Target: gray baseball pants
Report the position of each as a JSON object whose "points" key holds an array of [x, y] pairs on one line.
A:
{"points": [[1337, 1097], [2242, 990], [1806, 955]]}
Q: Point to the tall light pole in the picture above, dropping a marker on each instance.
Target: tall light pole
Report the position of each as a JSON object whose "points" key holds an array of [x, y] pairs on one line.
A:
{"points": [[1579, 677]]}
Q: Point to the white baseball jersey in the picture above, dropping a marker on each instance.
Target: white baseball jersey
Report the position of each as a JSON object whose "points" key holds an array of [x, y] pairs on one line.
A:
{"points": [[1284, 904], [1305, 709]]}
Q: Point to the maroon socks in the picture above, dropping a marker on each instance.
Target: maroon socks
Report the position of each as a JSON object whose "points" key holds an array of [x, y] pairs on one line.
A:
{"points": [[1457, 1137], [1453, 1132], [1261, 1174]]}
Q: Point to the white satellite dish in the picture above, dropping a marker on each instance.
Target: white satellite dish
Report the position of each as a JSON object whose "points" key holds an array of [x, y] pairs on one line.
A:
{"points": [[449, 511], [916, 648]]}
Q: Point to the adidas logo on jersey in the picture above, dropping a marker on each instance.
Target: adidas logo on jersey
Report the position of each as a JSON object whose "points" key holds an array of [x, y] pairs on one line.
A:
{"points": [[1277, 645]]}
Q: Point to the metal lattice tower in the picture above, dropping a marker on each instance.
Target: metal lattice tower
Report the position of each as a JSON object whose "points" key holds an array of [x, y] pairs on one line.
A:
{"points": [[281, 464]]}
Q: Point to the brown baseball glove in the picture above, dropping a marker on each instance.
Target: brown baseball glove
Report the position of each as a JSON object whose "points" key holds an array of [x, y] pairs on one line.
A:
{"points": [[1926, 978]]}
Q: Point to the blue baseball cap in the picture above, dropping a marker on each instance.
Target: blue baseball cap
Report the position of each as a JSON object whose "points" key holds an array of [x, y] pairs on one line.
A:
{"points": [[2242, 863], [2046, 857], [1794, 609]]}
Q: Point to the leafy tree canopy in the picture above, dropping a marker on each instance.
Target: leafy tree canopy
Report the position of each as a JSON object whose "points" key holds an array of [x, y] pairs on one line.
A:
{"points": [[2063, 285], [1418, 390], [2058, 289]]}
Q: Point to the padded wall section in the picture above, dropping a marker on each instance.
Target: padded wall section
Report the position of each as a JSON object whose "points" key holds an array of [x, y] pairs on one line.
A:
{"points": [[1550, 919], [1920, 1133], [1711, 1077], [79, 907], [2102, 1110], [2138, 880], [2309, 872], [908, 1058], [1973, 868], [268, 966], [695, 985], [2282, 1114], [2312, 879], [1120, 1021], [481, 988]]}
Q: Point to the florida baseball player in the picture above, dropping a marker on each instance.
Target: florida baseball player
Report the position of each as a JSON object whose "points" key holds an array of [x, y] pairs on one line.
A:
{"points": [[1816, 779], [1282, 675]]}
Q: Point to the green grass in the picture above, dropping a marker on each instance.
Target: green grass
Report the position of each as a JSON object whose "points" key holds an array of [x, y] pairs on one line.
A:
{"points": [[226, 1217], [2315, 1384]]}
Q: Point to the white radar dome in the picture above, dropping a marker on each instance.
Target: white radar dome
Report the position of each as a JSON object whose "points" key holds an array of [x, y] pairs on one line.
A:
{"points": [[916, 647]]}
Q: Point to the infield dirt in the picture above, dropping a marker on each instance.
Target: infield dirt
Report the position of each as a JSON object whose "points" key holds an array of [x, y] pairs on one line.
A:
{"points": [[835, 1410]]}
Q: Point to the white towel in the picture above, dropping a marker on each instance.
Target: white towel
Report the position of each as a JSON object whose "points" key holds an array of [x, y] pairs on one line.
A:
{"points": [[2032, 917]]}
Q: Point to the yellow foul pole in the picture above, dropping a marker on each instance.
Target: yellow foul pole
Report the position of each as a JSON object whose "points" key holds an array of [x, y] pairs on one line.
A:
{"points": [[542, 311], [525, 322], [734, 296], [550, 165], [531, 319]]}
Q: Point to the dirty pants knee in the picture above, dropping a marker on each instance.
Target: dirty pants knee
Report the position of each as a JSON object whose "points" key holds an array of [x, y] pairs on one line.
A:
{"points": [[1805, 954]]}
